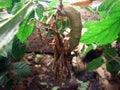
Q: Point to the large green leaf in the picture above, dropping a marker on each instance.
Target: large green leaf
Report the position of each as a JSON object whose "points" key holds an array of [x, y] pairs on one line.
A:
{"points": [[26, 28], [106, 5], [106, 30], [16, 7], [94, 64], [21, 68], [103, 32], [5, 3], [10, 28], [109, 7], [18, 49]]}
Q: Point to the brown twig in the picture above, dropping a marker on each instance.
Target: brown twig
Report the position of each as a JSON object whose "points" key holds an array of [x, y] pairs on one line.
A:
{"points": [[61, 4]]}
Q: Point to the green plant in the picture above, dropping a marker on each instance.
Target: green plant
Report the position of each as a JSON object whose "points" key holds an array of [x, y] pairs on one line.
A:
{"points": [[9, 27], [12, 72], [12, 49], [22, 19], [107, 26], [104, 32], [82, 85], [14, 31]]}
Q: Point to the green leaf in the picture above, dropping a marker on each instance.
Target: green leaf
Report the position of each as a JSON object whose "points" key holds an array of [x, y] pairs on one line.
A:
{"points": [[5, 57], [18, 49], [4, 16], [114, 11], [51, 5], [6, 50], [113, 67], [5, 3], [109, 52], [16, 1], [88, 24], [110, 7], [26, 28], [65, 25], [22, 1], [106, 5], [106, 30], [21, 68], [39, 11], [3, 78], [3, 53], [4, 63], [90, 9], [82, 85], [9, 29], [16, 7], [94, 64], [54, 3], [103, 32], [103, 14], [55, 88]]}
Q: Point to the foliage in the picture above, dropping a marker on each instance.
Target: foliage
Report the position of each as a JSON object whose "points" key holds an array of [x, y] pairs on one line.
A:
{"points": [[109, 52], [3, 78], [26, 28], [55, 88], [39, 11], [6, 63], [82, 85], [18, 48], [17, 11], [20, 22], [16, 7], [5, 3], [14, 31], [113, 67], [94, 64], [10, 28], [104, 32], [21, 68]]}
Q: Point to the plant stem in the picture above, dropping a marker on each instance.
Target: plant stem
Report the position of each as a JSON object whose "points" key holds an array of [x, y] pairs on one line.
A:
{"points": [[61, 4]]}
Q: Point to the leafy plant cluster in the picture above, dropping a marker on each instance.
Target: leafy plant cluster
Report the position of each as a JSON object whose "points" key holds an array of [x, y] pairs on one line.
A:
{"points": [[103, 33], [20, 23], [14, 31], [16, 25]]}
